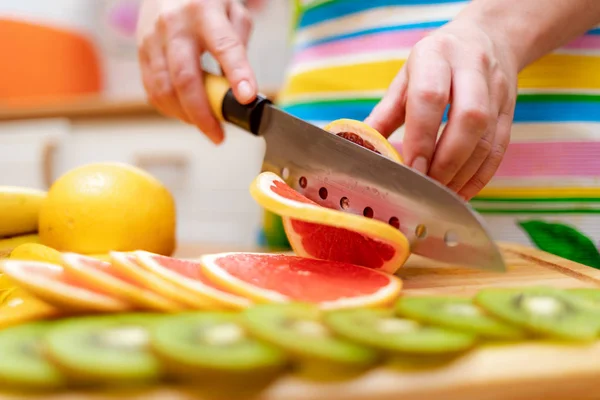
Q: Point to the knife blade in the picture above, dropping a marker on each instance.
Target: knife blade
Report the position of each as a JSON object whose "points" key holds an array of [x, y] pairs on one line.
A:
{"points": [[327, 168]]}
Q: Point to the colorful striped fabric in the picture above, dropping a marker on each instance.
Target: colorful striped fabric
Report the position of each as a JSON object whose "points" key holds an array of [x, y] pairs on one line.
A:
{"points": [[547, 191]]}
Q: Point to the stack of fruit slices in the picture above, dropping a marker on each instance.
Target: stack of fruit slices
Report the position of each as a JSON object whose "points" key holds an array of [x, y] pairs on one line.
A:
{"points": [[143, 281]]}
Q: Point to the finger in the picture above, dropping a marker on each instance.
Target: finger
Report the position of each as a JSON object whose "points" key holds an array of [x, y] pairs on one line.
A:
{"points": [[468, 119], [183, 58], [428, 93], [222, 41], [498, 96], [157, 80], [493, 160], [241, 21], [186, 75], [388, 115]]}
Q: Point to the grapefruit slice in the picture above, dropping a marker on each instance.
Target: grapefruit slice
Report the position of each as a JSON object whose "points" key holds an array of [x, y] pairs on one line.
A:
{"points": [[53, 285], [128, 265], [190, 277], [97, 273], [365, 136], [318, 232], [329, 231], [270, 277]]}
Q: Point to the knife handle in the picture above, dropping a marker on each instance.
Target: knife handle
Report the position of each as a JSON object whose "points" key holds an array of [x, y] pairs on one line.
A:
{"points": [[227, 109]]}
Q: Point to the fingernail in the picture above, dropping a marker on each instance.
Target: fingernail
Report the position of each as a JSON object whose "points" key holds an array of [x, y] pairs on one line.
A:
{"points": [[245, 91], [420, 164]]}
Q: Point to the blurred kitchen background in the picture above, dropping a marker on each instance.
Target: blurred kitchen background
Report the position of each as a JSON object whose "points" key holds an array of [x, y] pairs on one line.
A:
{"points": [[71, 94]]}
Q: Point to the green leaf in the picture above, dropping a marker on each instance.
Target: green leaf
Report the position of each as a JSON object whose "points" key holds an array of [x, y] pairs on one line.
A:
{"points": [[563, 241]]}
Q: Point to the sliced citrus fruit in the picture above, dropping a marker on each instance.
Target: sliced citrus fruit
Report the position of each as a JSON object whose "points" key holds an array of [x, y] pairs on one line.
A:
{"points": [[363, 135], [190, 277], [329, 230], [128, 265], [101, 274], [19, 307], [270, 277], [53, 285], [36, 252], [318, 232]]}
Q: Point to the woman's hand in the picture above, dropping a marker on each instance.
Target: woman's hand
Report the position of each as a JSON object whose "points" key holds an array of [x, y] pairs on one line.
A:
{"points": [[172, 36], [462, 65]]}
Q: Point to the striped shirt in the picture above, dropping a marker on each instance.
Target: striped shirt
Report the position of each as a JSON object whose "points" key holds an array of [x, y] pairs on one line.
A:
{"points": [[546, 192]]}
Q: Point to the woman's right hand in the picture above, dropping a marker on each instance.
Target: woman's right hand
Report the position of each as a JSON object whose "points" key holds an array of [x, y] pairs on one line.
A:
{"points": [[172, 36]]}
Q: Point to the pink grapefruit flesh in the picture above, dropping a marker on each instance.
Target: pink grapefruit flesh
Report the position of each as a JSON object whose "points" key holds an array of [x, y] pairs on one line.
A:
{"points": [[55, 286], [318, 232], [101, 274], [281, 278], [128, 265], [190, 278]]}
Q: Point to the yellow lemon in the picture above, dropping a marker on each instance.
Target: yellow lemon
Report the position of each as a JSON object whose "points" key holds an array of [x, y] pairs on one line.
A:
{"points": [[103, 207], [36, 252]]}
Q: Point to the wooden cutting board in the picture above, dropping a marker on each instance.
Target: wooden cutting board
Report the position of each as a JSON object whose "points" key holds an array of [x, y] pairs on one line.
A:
{"points": [[522, 371]]}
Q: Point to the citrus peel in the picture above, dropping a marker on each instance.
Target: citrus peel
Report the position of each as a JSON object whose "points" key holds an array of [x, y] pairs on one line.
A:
{"points": [[277, 278]]}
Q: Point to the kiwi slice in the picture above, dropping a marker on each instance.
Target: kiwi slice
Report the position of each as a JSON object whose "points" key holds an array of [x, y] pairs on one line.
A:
{"points": [[589, 297], [105, 349], [459, 314], [545, 311], [297, 329], [381, 329], [22, 362], [214, 349]]}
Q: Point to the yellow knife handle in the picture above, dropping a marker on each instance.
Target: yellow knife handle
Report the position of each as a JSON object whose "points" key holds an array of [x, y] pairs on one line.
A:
{"points": [[226, 108]]}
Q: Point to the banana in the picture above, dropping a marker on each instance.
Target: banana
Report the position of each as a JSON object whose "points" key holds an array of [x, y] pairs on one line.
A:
{"points": [[19, 210]]}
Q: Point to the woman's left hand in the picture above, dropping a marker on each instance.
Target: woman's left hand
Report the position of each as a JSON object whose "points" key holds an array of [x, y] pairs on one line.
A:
{"points": [[460, 64]]}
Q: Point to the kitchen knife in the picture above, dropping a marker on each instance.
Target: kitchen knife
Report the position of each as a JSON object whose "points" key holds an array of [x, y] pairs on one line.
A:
{"points": [[438, 224]]}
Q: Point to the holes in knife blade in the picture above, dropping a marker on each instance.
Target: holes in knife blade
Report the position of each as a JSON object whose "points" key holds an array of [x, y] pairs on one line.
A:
{"points": [[303, 182], [344, 203], [421, 231], [395, 222], [285, 173], [323, 193], [368, 212], [451, 239]]}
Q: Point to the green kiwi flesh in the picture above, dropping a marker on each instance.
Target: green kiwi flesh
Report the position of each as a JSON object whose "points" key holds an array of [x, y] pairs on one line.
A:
{"points": [[590, 297], [105, 349], [213, 345], [545, 311], [457, 313], [297, 329], [381, 329], [22, 362]]}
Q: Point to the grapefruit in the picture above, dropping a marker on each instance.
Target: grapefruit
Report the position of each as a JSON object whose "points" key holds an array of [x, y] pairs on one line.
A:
{"points": [[271, 277], [190, 278], [325, 232], [97, 273], [318, 232], [53, 285], [128, 265], [102, 207]]}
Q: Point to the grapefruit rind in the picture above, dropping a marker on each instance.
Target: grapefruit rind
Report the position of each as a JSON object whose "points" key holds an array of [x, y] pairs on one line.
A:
{"points": [[367, 132], [120, 261], [260, 190], [55, 291], [384, 296], [211, 297], [125, 291]]}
